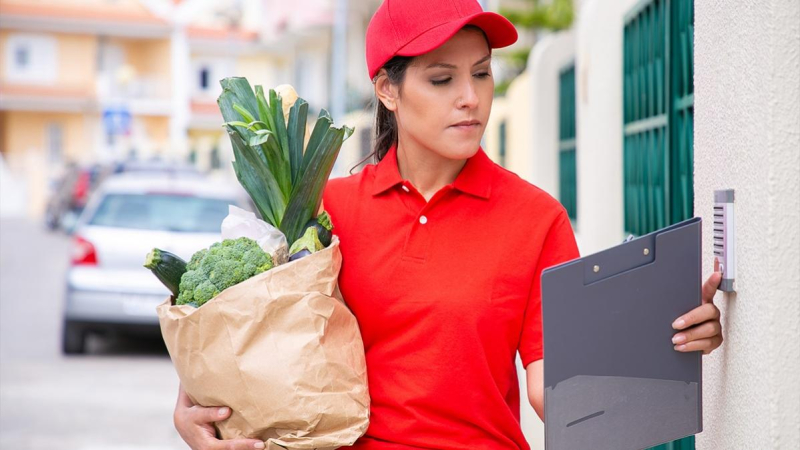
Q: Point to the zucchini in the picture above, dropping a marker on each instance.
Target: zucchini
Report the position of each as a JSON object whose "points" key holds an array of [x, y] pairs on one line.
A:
{"points": [[167, 267]]}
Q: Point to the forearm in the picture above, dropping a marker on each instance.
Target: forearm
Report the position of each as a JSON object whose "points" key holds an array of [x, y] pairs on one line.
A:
{"points": [[535, 378]]}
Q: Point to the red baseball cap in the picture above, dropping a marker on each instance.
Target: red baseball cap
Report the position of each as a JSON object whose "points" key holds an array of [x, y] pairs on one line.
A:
{"points": [[414, 27]]}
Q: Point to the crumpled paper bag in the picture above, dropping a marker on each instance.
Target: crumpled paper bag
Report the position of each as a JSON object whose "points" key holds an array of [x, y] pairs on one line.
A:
{"points": [[242, 223], [282, 350]]}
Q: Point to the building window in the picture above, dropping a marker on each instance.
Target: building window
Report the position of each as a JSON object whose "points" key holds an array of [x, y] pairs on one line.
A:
{"points": [[204, 78], [366, 141], [658, 103], [206, 72], [30, 58], [55, 142], [214, 159], [567, 167], [21, 57]]}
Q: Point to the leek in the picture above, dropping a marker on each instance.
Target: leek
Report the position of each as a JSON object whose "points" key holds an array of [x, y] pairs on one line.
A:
{"points": [[284, 178]]}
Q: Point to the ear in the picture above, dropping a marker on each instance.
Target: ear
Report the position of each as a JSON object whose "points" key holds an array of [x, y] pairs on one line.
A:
{"points": [[386, 91]]}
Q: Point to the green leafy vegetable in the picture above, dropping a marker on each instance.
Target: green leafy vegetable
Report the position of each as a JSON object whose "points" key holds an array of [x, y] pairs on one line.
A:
{"points": [[224, 264], [284, 179]]}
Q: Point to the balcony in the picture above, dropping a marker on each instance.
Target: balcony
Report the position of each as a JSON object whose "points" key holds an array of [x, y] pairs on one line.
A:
{"points": [[140, 94]]}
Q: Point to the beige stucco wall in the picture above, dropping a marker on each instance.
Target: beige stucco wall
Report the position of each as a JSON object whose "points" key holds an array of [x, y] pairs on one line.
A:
{"points": [[747, 137], [149, 59], [77, 61], [491, 135], [518, 120], [25, 144]]}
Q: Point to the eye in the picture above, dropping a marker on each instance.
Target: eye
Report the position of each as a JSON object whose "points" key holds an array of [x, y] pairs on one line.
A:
{"points": [[481, 75]]}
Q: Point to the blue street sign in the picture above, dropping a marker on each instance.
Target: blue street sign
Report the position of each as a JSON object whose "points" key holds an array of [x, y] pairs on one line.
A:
{"points": [[117, 120]]}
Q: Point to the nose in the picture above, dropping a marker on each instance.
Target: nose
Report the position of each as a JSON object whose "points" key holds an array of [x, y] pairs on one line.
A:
{"points": [[469, 95]]}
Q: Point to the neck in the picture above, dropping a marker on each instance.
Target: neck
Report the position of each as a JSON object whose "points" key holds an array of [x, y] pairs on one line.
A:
{"points": [[425, 169]]}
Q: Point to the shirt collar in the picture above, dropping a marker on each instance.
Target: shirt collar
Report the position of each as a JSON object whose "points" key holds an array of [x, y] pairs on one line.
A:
{"points": [[474, 178]]}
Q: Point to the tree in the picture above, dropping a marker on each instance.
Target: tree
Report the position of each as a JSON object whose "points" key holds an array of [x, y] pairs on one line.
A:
{"points": [[556, 15]]}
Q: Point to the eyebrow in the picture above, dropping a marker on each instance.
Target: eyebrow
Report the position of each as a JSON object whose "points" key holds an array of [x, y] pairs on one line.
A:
{"points": [[450, 66]]}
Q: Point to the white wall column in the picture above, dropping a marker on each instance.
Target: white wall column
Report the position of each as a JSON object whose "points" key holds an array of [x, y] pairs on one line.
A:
{"points": [[548, 57], [180, 100], [598, 73], [747, 137]]}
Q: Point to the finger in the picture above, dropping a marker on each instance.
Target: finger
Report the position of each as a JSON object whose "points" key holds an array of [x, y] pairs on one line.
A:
{"points": [[710, 286], [705, 345], [202, 415], [703, 331], [236, 444], [698, 315]]}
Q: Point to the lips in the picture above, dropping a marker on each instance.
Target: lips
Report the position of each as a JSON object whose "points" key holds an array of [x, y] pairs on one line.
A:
{"points": [[465, 123]]}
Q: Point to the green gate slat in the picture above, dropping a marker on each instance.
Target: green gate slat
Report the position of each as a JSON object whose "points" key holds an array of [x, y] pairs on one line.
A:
{"points": [[658, 121], [567, 186]]}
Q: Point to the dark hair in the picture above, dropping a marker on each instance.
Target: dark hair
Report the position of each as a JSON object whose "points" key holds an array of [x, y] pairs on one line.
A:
{"points": [[385, 130]]}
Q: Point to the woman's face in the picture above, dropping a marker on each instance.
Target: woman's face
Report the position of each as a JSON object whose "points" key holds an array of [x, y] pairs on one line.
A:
{"points": [[441, 88]]}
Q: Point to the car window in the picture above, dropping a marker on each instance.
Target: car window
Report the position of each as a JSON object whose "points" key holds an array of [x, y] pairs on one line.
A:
{"points": [[161, 212]]}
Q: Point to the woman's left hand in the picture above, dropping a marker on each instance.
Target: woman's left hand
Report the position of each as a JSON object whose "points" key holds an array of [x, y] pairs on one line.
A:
{"points": [[700, 328]]}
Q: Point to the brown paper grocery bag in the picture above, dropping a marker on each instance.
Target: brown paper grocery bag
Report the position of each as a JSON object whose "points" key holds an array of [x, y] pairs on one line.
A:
{"points": [[282, 350]]}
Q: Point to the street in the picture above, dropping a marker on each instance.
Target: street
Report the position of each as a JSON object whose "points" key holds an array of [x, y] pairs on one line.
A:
{"points": [[119, 396]]}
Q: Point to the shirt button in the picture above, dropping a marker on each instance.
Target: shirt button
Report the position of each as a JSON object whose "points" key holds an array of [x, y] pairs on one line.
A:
{"points": [[423, 220], [405, 188]]}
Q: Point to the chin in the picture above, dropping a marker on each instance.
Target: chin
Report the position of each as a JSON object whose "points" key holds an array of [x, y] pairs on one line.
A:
{"points": [[459, 149]]}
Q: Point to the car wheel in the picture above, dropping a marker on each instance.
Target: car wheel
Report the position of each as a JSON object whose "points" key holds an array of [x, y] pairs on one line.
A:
{"points": [[73, 341]]}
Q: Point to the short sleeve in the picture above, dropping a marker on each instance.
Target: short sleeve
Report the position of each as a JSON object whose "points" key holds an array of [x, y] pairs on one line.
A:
{"points": [[559, 246]]}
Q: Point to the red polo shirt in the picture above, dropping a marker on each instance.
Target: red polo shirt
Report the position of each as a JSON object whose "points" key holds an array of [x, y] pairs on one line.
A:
{"points": [[446, 292]]}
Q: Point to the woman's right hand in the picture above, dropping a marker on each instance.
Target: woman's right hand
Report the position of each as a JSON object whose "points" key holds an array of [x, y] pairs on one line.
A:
{"points": [[195, 424]]}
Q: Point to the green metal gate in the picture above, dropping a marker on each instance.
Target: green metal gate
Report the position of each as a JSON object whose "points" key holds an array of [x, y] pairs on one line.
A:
{"points": [[658, 114], [567, 184], [658, 108]]}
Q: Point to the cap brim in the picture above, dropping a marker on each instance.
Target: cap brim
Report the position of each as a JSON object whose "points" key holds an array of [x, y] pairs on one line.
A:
{"points": [[498, 29]]}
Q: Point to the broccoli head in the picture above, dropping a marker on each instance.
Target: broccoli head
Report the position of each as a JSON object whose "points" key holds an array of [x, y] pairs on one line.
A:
{"points": [[224, 264]]}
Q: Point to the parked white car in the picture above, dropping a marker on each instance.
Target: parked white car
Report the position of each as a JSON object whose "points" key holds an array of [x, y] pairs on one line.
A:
{"points": [[108, 290]]}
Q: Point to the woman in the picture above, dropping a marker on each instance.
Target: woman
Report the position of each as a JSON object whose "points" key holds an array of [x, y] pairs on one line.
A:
{"points": [[443, 249]]}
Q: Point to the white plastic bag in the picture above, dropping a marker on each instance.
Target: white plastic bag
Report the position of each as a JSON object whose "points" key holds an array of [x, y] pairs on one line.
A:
{"points": [[243, 223]]}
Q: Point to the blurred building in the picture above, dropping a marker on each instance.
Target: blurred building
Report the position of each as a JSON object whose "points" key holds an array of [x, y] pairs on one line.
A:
{"points": [[91, 81], [81, 81]]}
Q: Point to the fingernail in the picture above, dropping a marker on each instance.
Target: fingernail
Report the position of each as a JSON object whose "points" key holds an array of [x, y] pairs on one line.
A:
{"points": [[223, 411], [678, 339], [678, 324], [258, 445], [680, 348]]}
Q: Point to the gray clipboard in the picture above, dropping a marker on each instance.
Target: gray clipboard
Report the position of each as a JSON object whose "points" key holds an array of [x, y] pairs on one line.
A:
{"points": [[612, 377]]}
